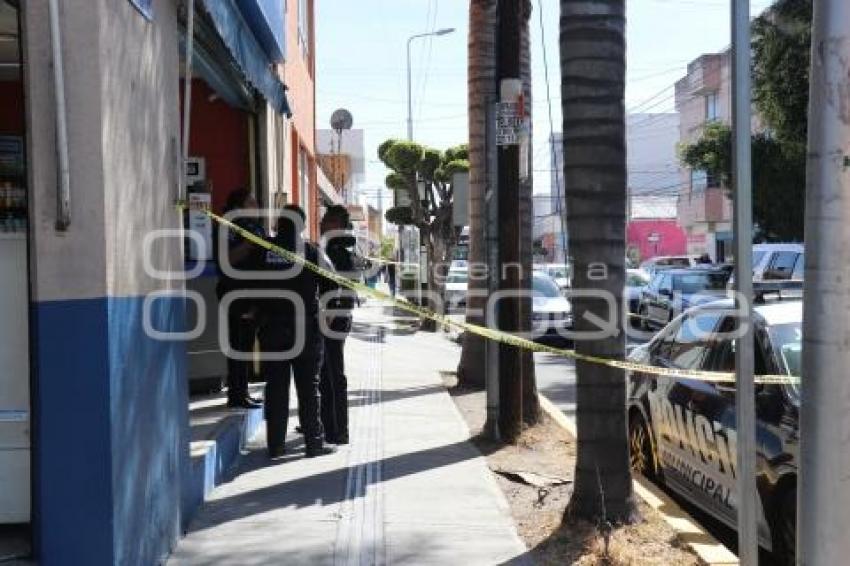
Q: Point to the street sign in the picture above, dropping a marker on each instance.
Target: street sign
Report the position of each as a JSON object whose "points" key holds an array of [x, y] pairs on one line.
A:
{"points": [[509, 123]]}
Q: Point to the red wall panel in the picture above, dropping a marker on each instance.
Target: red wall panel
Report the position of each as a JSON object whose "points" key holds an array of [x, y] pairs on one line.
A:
{"points": [[11, 108], [219, 133]]}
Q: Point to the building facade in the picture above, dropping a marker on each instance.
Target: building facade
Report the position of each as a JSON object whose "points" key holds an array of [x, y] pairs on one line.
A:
{"points": [[703, 96], [93, 253]]}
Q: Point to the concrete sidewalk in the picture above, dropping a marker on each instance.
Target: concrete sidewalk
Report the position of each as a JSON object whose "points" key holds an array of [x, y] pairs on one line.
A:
{"points": [[409, 489]]}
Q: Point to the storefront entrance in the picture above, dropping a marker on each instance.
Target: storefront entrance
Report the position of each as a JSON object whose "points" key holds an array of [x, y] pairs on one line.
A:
{"points": [[15, 413]]}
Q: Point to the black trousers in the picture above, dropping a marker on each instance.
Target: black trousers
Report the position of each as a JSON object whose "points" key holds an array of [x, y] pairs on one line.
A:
{"points": [[334, 389], [242, 329], [277, 334]]}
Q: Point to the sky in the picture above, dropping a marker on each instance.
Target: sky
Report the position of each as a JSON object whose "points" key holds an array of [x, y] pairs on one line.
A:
{"points": [[361, 66]]}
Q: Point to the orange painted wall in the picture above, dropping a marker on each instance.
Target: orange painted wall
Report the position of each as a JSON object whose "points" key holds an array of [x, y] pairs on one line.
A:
{"points": [[299, 76]]}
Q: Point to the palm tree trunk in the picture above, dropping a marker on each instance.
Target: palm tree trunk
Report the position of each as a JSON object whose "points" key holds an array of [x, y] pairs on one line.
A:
{"points": [[481, 93], [531, 405], [593, 72]]}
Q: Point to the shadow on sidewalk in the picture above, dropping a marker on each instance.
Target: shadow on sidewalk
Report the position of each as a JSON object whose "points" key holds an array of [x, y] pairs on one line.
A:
{"points": [[364, 397], [327, 488]]}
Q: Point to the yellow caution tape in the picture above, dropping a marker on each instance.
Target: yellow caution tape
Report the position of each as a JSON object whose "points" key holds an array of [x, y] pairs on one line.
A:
{"points": [[382, 260], [488, 333]]}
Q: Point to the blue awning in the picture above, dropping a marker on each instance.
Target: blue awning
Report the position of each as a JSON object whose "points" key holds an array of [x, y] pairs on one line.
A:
{"points": [[266, 18], [247, 51]]}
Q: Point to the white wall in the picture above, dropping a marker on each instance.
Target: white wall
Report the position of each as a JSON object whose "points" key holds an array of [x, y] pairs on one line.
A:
{"points": [[66, 264], [121, 86]]}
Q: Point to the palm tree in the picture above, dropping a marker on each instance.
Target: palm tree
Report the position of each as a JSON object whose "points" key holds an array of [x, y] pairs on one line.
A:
{"points": [[481, 93], [593, 72]]}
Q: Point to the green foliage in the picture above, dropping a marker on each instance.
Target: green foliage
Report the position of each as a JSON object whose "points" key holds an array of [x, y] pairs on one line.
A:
{"points": [[781, 44], [779, 178], [711, 152], [781, 58], [779, 188], [399, 215], [384, 147], [396, 182], [387, 247], [458, 152], [430, 162], [401, 156]]}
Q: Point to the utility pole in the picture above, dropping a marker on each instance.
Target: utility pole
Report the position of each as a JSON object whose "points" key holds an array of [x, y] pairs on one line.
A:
{"points": [[824, 497], [745, 411], [509, 118]]}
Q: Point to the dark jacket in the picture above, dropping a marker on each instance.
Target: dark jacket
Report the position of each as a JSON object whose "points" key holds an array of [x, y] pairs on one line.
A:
{"points": [[254, 261], [339, 251]]}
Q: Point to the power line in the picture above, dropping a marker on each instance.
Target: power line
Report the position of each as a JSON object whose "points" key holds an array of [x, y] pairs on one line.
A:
{"points": [[551, 122]]}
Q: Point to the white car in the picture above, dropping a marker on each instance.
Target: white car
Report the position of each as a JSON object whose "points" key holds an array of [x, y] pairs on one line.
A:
{"points": [[559, 272], [650, 266], [455, 288], [778, 262], [552, 313]]}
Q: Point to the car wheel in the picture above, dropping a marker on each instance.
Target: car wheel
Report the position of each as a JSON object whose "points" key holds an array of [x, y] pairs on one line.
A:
{"points": [[783, 533], [641, 453]]}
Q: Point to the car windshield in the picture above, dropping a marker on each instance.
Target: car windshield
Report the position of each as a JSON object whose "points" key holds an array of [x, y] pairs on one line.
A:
{"points": [[457, 277], [544, 286], [678, 262], [697, 282], [557, 272], [757, 256], [787, 339]]}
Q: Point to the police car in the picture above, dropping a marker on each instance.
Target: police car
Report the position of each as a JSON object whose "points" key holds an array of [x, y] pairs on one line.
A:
{"points": [[682, 431]]}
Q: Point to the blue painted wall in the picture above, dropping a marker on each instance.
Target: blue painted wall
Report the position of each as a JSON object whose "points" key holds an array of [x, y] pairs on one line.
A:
{"points": [[111, 431], [150, 428], [72, 444]]}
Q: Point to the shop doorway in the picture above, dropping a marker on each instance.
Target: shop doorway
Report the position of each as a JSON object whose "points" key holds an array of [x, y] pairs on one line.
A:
{"points": [[15, 406]]}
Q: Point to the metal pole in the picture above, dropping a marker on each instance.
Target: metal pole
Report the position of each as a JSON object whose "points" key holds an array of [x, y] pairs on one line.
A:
{"points": [[824, 498], [63, 193], [409, 92], [491, 235], [742, 180], [187, 94], [510, 85]]}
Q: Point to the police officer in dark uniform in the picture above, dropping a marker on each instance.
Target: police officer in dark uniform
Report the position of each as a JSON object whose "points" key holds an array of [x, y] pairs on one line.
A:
{"points": [[241, 317], [281, 325], [334, 384]]}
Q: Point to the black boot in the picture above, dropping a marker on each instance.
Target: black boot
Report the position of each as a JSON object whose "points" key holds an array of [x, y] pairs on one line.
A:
{"points": [[320, 450]]}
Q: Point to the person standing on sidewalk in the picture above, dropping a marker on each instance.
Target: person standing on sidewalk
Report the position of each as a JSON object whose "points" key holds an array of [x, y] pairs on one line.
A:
{"points": [[241, 316], [391, 277], [290, 339], [334, 385]]}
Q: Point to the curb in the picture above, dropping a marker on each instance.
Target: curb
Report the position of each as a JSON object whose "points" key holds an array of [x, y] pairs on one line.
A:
{"points": [[708, 549]]}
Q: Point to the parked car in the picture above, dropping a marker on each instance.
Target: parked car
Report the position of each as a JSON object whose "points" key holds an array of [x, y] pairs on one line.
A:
{"points": [[682, 431], [668, 262], [672, 291], [454, 291], [636, 281], [551, 311], [559, 272], [778, 262]]}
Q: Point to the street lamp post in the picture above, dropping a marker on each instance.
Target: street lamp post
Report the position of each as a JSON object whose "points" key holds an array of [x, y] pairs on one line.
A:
{"points": [[439, 32]]}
